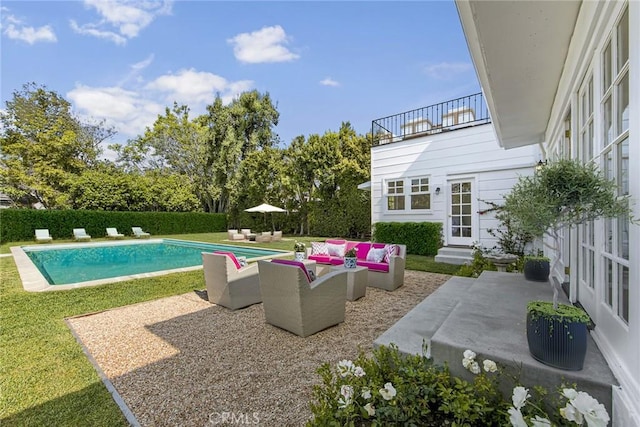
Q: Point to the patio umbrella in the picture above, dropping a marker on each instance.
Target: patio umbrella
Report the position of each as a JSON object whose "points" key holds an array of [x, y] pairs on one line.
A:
{"points": [[264, 209]]}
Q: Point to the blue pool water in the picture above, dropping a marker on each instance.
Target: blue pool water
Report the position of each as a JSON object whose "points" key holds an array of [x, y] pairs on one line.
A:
{"points": [[62, 266]]}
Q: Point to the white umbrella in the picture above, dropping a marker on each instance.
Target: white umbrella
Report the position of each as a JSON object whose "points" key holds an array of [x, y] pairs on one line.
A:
{"points": [[264, 208]]}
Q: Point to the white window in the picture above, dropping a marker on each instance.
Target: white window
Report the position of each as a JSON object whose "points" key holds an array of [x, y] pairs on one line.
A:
{"points": [[420, 195], [615, 163], [395, 195]]}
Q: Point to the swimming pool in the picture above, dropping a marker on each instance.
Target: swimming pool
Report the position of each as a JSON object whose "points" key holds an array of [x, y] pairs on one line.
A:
{"points": [[96, 263]]}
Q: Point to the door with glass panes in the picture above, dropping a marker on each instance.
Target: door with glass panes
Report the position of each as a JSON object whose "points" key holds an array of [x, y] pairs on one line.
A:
{"points": [[461, 217]]}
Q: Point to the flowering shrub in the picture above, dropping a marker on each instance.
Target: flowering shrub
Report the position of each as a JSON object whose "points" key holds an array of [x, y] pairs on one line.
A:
{"points": [[388, 388], [393, 389]]}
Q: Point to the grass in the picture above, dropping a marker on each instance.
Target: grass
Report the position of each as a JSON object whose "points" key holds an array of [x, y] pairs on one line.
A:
{"points": [[45, 377]]}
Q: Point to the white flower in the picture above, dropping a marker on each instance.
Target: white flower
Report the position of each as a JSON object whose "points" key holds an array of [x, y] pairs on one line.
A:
{"points": [[359, 372], [570, 413], [343, 403], [366, 393], [466, 363], [468, 354], [371, 410], [346, 391], [520, 396], [388, 392], [569, 393], [489, 366], [592, 410], [474, 368], [516, 418], [538, 421], [345, 367]]}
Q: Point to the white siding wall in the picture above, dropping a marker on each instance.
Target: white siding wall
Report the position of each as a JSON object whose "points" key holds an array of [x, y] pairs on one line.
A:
{"points": [[466, 153]]}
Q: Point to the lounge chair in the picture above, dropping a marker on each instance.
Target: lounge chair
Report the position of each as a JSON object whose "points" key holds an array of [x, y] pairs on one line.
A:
{"points": [[80, 235], [112, 233], [277, 236], [43, 236], [246, 232], [229, 284], [139, 234], [293, 302]]}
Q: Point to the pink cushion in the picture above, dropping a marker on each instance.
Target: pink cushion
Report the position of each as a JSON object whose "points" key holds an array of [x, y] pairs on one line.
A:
{"points": [[363, 250], [322, 259], [337, 261], [375, 266], [232, 256], [379, 245], [293, 263], [336, 241]]}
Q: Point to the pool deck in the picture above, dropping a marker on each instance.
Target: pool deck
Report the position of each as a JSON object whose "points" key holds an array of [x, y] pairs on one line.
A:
{"points": [[34, 281]]}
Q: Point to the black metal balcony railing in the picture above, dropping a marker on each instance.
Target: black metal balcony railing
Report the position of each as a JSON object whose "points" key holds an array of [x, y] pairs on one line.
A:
{"points": [[450, 115]]}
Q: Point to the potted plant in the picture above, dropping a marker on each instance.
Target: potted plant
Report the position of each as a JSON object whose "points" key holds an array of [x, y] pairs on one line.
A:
{"points": [[536, 268], [350, 258], [562, 194], [300, 251]]}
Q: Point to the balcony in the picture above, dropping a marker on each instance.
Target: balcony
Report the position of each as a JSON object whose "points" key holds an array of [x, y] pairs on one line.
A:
{"points": [[444, 117]]}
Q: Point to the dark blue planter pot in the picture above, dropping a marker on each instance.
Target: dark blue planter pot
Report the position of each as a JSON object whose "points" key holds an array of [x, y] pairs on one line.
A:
{"points": [[536, 270], [562, 345]]}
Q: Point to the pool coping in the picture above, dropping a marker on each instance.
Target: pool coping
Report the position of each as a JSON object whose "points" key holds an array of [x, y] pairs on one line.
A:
{"points": [[34, 281]]}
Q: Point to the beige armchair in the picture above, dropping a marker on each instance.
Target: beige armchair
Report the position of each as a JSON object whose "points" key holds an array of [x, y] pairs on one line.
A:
{"points": [[264, 237], [235, 235], [292, 302], [228, 283], [277, 236]]}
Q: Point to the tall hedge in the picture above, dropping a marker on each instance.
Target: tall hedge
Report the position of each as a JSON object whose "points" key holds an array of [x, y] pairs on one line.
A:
{"points": [[19, 224], [421, 238]]}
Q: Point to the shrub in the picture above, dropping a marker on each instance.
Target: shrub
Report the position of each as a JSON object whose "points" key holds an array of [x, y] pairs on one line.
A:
{"points": [[19, 224], [421, 238]]}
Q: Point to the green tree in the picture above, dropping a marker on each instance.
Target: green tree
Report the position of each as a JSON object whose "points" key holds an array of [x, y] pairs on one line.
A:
{"points": [[44, 146]]}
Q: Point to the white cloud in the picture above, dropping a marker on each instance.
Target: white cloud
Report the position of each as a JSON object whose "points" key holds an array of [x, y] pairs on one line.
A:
{"points": [[191, 86], [131, 110], [447, 70], [328, 81], [17, 31], [265, 45], [122, 19], [91, 30]]}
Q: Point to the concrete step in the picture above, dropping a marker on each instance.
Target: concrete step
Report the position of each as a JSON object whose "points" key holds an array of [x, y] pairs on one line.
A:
{"points": [[453, 255], [412, 334], [488, 315]]}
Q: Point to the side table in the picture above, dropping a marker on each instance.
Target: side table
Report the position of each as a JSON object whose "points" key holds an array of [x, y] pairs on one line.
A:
{"points": [[356, 281]]}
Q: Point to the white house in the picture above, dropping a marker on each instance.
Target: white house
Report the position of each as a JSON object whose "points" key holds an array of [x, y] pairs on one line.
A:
{"points": [[565, 76], [439, 164]]}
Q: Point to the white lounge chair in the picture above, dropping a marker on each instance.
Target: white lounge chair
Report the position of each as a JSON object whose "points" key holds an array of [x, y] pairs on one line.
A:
{"points": [[235, 235], [43, 236], [139, 234], [293, 302], [80, 235], [112, 233], [229, 283]]}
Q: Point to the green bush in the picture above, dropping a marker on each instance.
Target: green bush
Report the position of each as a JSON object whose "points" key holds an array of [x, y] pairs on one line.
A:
{"points": [[19, 224], [421, 238], [394, 389]]}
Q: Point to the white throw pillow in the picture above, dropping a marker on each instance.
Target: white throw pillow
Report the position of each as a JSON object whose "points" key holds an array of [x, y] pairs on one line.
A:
{"points": [[376, 255], [335, 249], [319, 248]]}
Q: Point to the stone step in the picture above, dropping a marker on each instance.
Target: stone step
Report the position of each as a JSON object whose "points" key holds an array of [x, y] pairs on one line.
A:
{"points": [[453, 255]]}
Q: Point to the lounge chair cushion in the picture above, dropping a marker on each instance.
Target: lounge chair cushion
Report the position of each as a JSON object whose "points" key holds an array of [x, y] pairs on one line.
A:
{"points": [[362, 249], [323, 259], [232, 256], [376, 255], [294, 263], [319, 248], [336, 249]]}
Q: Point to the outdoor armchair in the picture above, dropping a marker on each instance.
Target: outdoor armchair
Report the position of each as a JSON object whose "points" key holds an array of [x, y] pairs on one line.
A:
{"points": [[295, 303], [277, 236], [235, 235], [43, 236], [229, 283], [264, 237], [80, 235], [138, 233], [112, 233]]}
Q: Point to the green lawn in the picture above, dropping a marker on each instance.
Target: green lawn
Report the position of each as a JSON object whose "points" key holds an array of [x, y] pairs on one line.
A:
{"points": [[45, 379]]}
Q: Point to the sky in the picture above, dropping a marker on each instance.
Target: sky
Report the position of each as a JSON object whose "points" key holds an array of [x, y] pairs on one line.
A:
{"points": [[322, 63]]}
